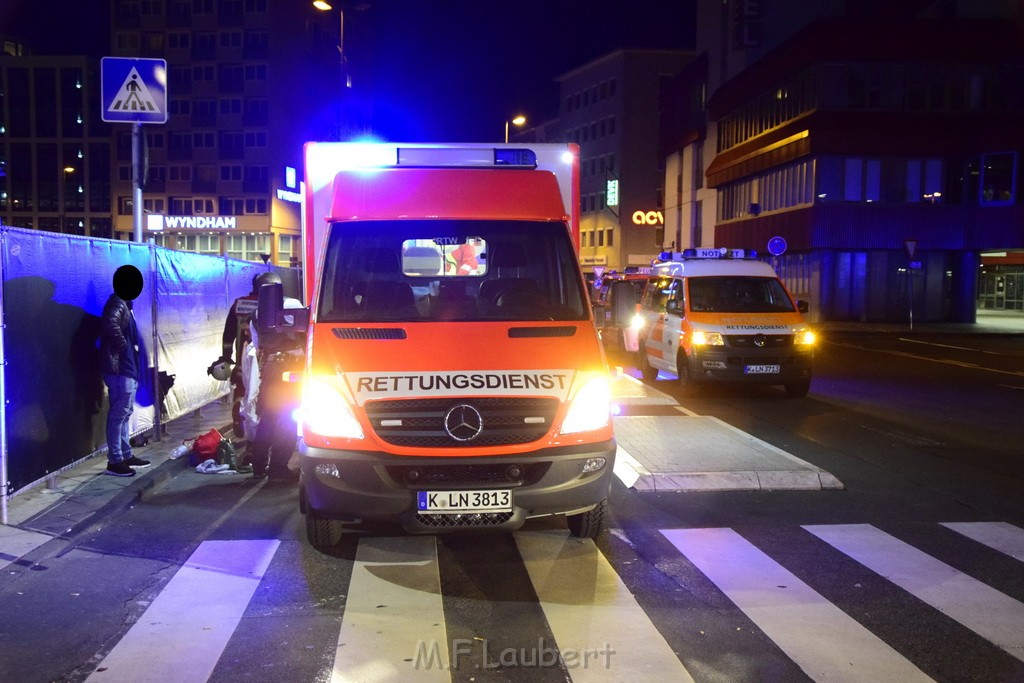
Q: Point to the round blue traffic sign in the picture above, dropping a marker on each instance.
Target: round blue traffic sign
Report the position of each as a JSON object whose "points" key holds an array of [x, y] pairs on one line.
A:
{"points": [[777, 246]]}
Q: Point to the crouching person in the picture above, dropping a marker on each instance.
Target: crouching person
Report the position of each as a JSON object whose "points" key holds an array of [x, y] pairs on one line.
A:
{"points": [[274, 441]]}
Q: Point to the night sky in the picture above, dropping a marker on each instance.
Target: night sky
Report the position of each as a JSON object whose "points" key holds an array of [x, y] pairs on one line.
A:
{"points": [[437, 70]]}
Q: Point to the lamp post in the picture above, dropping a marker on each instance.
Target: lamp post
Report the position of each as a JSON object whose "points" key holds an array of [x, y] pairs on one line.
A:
{"points": [[517, 121], [62, 194], [324, 6]]}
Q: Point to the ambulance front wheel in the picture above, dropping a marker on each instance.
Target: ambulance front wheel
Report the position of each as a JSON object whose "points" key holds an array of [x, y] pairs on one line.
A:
{"points": [[320, 531], [644, 365], [686, 380], [588, 524]]}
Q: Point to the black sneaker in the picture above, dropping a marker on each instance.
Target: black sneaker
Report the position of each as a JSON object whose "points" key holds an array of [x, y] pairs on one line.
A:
{"points": [[119, 469], [136, 462]]}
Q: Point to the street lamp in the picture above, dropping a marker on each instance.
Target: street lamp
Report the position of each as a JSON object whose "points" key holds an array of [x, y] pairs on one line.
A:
{"points": [[517, 121], [324, 6]]}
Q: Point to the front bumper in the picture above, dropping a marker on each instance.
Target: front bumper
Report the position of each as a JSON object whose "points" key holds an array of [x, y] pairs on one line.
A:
{"points": [[376, 487], [724, 364]]}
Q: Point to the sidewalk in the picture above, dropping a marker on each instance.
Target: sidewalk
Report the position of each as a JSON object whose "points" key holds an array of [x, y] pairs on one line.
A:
{"points": [[664, 447], [72, 497]]}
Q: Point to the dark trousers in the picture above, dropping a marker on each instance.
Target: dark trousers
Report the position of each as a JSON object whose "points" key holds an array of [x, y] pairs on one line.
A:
{"points": [[275, 438]]}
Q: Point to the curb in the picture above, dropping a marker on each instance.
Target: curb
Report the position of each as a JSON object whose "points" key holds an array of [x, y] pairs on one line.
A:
{"points": [[634, 475]]}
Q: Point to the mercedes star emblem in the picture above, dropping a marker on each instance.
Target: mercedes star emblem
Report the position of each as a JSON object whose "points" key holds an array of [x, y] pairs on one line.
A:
{"points": [[463, 422]]}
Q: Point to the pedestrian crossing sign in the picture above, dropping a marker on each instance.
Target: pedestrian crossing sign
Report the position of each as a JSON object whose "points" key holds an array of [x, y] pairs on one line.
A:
{"points": [[133, 90]]}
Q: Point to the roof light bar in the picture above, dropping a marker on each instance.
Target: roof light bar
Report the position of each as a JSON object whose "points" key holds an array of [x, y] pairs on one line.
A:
{"points": [[705, 253]]}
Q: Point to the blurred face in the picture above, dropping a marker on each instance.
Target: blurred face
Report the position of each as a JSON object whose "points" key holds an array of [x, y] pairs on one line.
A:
{"points": [[128, 282]]}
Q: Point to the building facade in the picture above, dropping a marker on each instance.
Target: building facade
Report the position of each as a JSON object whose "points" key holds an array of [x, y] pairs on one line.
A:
{"points": [[610, 108], [54, 147], [249, 81], [881, 142]]}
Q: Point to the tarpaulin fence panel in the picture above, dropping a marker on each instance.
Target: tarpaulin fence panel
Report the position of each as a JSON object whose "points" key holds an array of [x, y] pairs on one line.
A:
{"points": [[54, 289]]}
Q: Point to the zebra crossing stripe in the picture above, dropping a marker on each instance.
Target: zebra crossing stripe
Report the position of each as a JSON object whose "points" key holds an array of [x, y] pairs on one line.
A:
{"points": [[981, 608], [182, 634], [602, 632], [1005, 538], [394, 626], [822, 639]]}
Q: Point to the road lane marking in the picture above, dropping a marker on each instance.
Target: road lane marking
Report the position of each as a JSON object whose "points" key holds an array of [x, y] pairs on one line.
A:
{"points": [[393, 628], [591, 612], [943, 361], [183, 633], [824, 641], [951, 346], [981, 608], [1005, 538]]}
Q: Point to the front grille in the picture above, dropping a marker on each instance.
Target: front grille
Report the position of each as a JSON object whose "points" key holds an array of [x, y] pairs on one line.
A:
{"points": [[420, 422], [748, 341], [759, 360], [463, 520], [467, 476]]}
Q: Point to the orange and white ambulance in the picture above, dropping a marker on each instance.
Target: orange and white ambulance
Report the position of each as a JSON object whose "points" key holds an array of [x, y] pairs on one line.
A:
{"points": [[720, 315], [454, 376]]}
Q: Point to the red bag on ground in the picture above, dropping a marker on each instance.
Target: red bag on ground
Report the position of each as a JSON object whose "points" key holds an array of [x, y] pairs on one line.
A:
{"points": [[205, 447]]}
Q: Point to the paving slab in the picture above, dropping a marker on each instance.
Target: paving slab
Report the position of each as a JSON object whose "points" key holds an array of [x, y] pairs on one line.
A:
{"points": [[664, 447]]}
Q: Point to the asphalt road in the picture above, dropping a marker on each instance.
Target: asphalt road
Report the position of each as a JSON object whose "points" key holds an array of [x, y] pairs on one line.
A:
{"points": [[912, 571]]}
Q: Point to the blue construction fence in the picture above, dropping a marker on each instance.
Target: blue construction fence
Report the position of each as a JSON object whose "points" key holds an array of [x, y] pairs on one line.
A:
{"points": [[54, 288]]}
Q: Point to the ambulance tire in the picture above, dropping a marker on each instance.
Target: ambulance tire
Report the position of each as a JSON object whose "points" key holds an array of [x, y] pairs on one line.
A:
{"points": [[686, 381], [321, 532], [588, 524], [797, 389], [644, 365]]}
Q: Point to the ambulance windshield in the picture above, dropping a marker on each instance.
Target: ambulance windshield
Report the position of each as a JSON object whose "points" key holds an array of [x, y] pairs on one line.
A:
{"points": [[738, 294], [443, 270]]}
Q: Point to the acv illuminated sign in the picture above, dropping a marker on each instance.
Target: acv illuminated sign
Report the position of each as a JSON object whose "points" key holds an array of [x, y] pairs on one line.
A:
{"points": [[648, 218]]}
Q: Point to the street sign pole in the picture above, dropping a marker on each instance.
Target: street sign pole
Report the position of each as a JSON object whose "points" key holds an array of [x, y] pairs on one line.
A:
{"points": [[910, 247], [137, 172], [910, 291]]}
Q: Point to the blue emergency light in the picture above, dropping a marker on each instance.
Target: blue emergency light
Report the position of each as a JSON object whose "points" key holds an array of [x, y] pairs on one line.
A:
{"points": [[515, 157]]}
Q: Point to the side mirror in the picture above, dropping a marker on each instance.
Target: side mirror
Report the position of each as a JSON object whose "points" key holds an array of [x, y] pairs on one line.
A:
{"points": [[269, 307], [803, 306], [623, 297], [272, 316], [674, 307]]}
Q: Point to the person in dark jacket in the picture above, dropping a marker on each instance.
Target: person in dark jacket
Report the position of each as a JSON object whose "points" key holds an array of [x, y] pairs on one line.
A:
{"points": [[121, 369]]}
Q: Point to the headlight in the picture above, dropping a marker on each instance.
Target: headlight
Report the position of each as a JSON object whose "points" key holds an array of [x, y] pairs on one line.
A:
{"points": [[326, 412], [701, 338], [591, 407], [805, 338], [637, 323]]}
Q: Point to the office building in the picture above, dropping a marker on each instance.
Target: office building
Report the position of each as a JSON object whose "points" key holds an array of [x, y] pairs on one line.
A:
{"points": [[610, 108], [879, 144]]}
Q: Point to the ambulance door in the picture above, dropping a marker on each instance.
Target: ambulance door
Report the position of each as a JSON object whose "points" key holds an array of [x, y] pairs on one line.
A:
{"points": [[664, 337], [671, 322]]}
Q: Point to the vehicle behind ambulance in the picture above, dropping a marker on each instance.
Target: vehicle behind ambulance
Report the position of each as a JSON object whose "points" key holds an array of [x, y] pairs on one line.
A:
{"points": [[454, 376], [717, 315]]}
